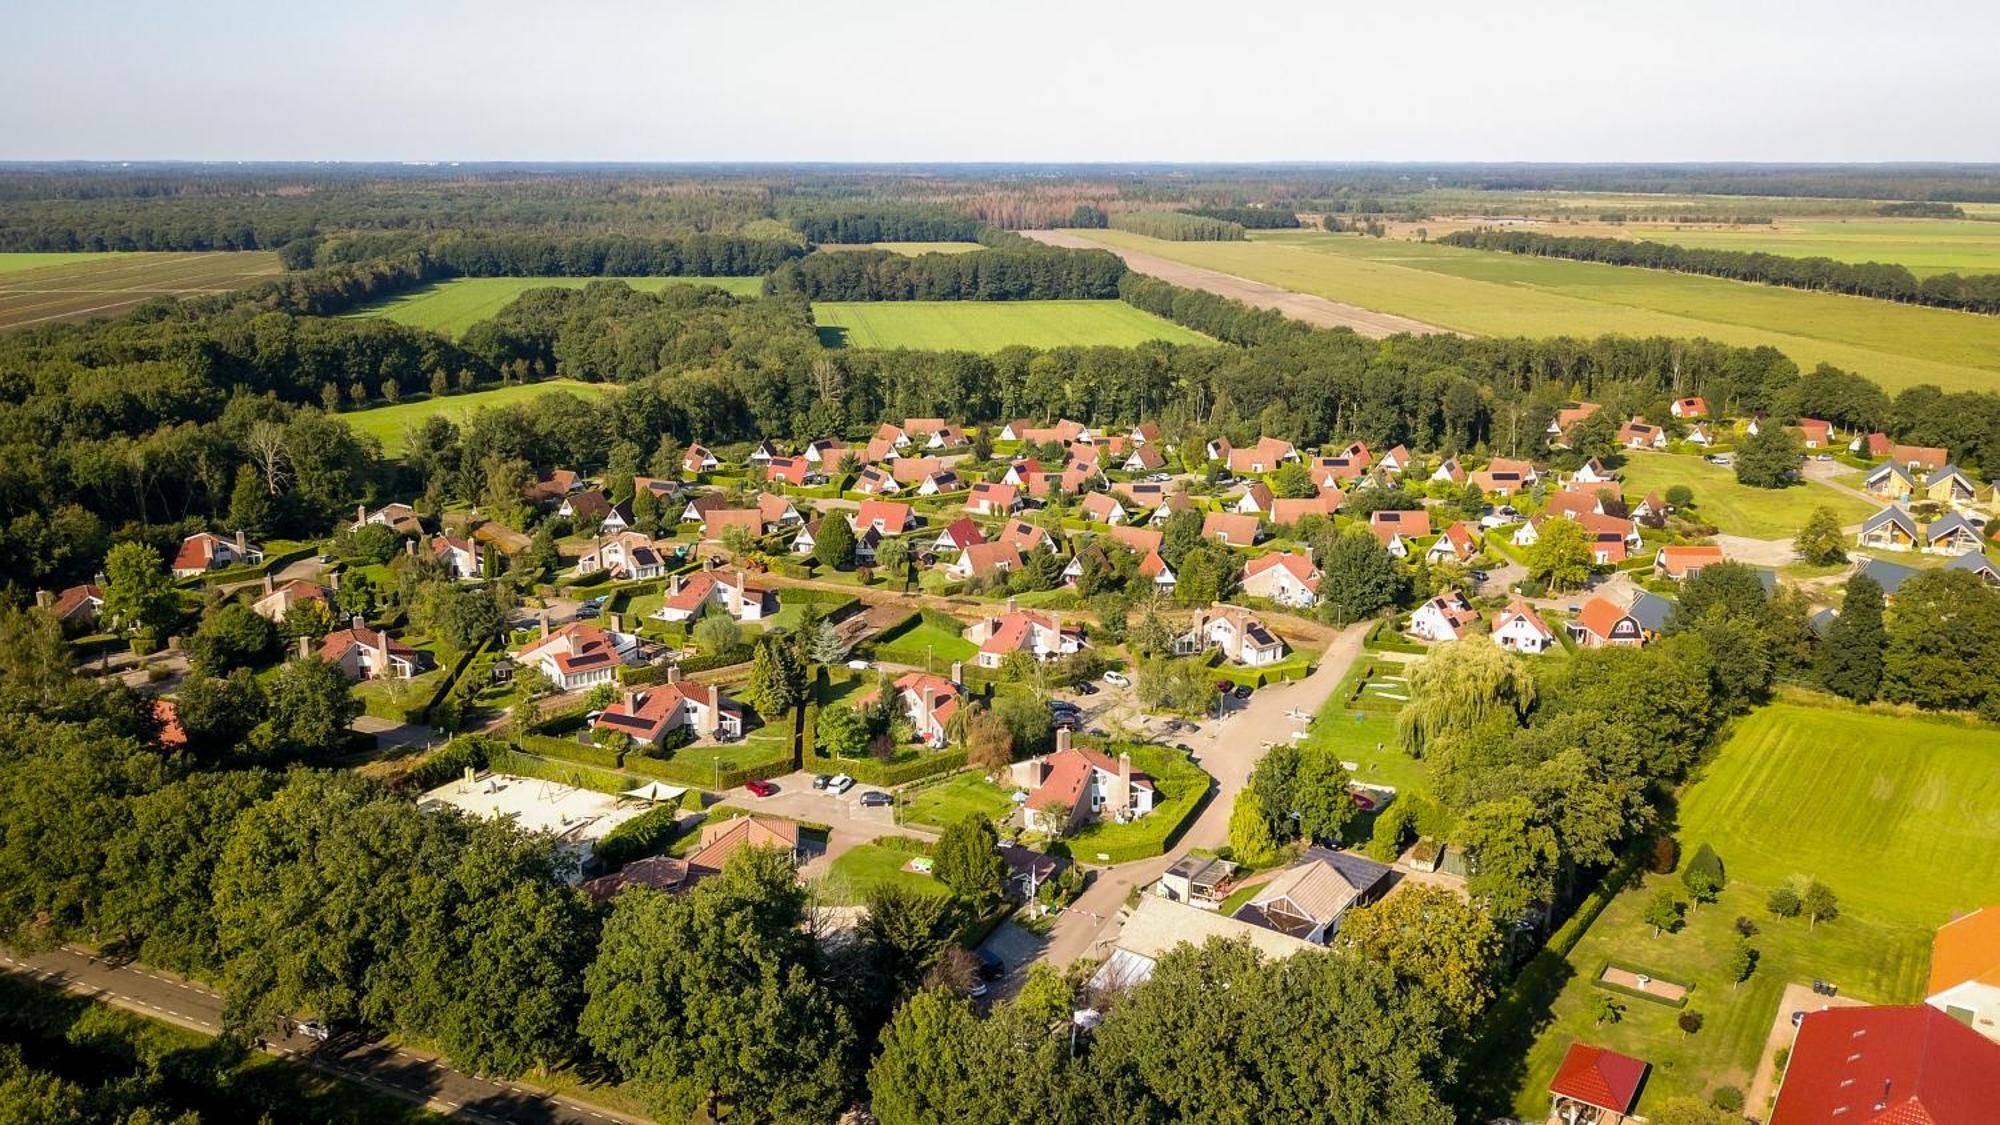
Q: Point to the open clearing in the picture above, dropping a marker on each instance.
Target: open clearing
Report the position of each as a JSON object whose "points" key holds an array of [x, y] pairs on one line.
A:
{"points": [[388, 422], [1925, 246], [1737, 509], [1496, 294], [45, 288], [453, 306], [909, 248], [1895, 814], [988, 326]]}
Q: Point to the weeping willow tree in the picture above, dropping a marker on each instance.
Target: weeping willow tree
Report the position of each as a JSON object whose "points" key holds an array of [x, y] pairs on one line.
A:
{"points": [[1460, 686]]}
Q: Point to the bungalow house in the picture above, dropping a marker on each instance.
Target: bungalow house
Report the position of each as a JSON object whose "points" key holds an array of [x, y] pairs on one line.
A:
{"points": [[1952, 534], [397, 517], [553, 485], [736, 594], [893, 434], [721, 840], [80, 604], [627, 556], [1238, 632], [1016, 430], [1639, 434], [363, 653], [1230, 529], [1519, 628], [1309, 899], [1089, 554], [1689, 408], [1144, 459], [1890, 576], [1175, 502], [983, 560], [1612, 539], [1890, 480], [1102, 507], [1885, 1066], [1592, 472], [1140, 539], [1286, 577], [1063, 432], [1499, 483], [1965, 971], [1040, 635], [1145, 433], [1596, 1086], [795, 471], [922, 427], [578, 656], [1604, 623], [1154, 566], [1700, 434], [1950, 487], [1890, 529], [1157, 925], [885, 516], [1072, 787], [1396, 460], [1332, 472], [1678, 562], [1451, 472], [278, 599], [1287, 511], [1140, 494], [1256, 500], [698, 459], [1815, 433], [1263, 457], [697, 509], [588, 507], [1568, 417], [826, 454], [958, 535], [909, 471], [942, 481], [1876, 444], [807, 538], [1454, 544], [1082, 456], [763, 455], [1019, 472], [876, 481], [650, 714], [946, 437], [1977, 563], [777, 510], [988, 498], [1446, 617], [1025, 537], [203, 552], [1398, 531], [929, 701], [1919, 458], [720, 520], [1586, 499], [460, 557], [661, 487], [1650, 511]]}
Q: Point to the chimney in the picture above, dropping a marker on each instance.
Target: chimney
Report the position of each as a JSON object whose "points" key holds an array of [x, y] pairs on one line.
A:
{"points": [[709, 716], [1062, 740], [736, 596], [355, 622], [305, 647], [674, 585], [958, 671], [544, 615], [333, 580], [924, 716], [270, 584], [1121, 792], [1010, 603], [360, 514], [410, 547], [617, 622], [382, 666], [631, 699], [673, 673], [242, 545], [44, 599]]}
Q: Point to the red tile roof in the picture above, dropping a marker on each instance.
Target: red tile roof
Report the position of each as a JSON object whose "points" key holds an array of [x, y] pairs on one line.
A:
{"points": [[1605, 1079], [1910, 1065]]}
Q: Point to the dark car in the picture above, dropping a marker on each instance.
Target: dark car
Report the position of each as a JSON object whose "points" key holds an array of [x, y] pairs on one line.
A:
{"points": [[759, 787], [1085, 687], [1242, 691], [875, 799], [1063, 707], [820, 780], [1798, 1017], [990, 966], [1064, 722], [588, 610], [1480, 576]]}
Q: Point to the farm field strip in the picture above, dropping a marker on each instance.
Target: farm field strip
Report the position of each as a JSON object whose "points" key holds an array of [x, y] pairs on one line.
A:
{"points": [[453, 306], [15, 261], [106, 284], [1924, 246], [987, 326], [387, 423], [1497, 294]]}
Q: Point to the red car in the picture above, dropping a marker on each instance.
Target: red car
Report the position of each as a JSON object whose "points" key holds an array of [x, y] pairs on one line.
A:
{"points": [[760, 787]]}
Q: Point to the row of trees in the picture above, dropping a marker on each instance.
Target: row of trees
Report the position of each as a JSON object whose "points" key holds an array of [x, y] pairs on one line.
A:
{"points": [[887, 224], [1177, 226], [1025, 273], [1250, 218], [1890, 282]]}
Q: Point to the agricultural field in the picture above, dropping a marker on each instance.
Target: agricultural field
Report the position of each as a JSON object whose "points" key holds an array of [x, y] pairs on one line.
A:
{"points": [[453, 306], [988, 326], [1496, 294], [387, 423], [1896, 814], [46, 288], [1737, 509], [911, 249]]}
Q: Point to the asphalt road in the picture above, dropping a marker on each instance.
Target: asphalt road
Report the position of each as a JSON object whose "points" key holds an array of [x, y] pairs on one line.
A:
{"points": [[412, 1075]]}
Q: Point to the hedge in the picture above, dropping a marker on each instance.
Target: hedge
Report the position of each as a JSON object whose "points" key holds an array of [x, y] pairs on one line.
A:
{"points": [[507, 760], [569, 750], [647, 834], [869, 771], [1391, 643], [1608, 986], [687, 773], [1291, 668]]}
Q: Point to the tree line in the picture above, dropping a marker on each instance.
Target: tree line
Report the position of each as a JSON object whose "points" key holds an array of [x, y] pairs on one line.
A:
{"points": [[1250, 218], [1886, 281], [888, 224], [1041, 273], [1177, 226]]}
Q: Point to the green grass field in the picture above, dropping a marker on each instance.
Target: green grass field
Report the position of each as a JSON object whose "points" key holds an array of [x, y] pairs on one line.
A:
{"points": [[867, 865], [1737, 509], [909, 248], [988, 326], [387, 423], [949, 802], [1925, 246], [47, 288], [1896, 814], [13, 261], [1496, 294], [453, 306]]}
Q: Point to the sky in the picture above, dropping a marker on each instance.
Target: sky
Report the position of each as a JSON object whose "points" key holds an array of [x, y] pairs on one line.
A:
{"points": [[1001, 80]]}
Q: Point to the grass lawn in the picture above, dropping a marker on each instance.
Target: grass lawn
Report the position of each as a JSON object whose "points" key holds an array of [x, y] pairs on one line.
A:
{"points": [[867, 865], [909, 248], [1736, 509], [1364, 732], [950, 801], [1498, 294], [767, 743], [1895, 814], [387, 423], [927, 637], [453, 306], [988, 326]]}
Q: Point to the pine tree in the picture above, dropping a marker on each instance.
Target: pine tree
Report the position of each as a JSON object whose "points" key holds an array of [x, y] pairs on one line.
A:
{"points": [[1850, 661]]}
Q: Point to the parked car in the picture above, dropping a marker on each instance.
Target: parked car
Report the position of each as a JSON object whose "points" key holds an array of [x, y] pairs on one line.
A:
{"points": [[1065, 722], [875, 799], [820, 780], [1798, 1017], [1085, 687], [991, 967], [858, 665], [1480, 576], [1159, 478], [1822, 456], [758, 787], [839, 783], [1063, 707], [587, 610], [1117, 679], [1242, 691], [314, 1030]]}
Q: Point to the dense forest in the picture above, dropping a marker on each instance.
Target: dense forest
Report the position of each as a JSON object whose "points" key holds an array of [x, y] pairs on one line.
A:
{"points": [[1250, 218], [888, 224], [1027, 272], [1977, 293], [1177, 226]]}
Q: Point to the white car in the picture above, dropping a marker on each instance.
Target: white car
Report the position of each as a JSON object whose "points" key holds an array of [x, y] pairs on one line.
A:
{"points": [[1117, 679], [840, 783], [858, 665]]}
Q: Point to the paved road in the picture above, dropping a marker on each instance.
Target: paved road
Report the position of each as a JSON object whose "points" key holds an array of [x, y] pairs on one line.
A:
{"points": [[411, 1075], [1257, 294], [1228, 750]]}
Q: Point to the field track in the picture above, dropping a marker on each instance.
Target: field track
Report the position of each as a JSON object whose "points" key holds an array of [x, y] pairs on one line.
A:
{"points": [[110, 285], [1313, 310]]}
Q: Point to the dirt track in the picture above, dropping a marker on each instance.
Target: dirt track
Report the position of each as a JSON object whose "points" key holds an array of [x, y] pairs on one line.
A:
{"points": [[1299, 306]]}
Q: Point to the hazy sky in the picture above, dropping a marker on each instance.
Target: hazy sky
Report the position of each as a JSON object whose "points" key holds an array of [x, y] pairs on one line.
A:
{"points": [[1000, 80]]}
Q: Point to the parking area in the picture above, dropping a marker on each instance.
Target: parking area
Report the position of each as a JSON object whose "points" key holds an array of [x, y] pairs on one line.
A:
{"points": [[796, 799]]}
